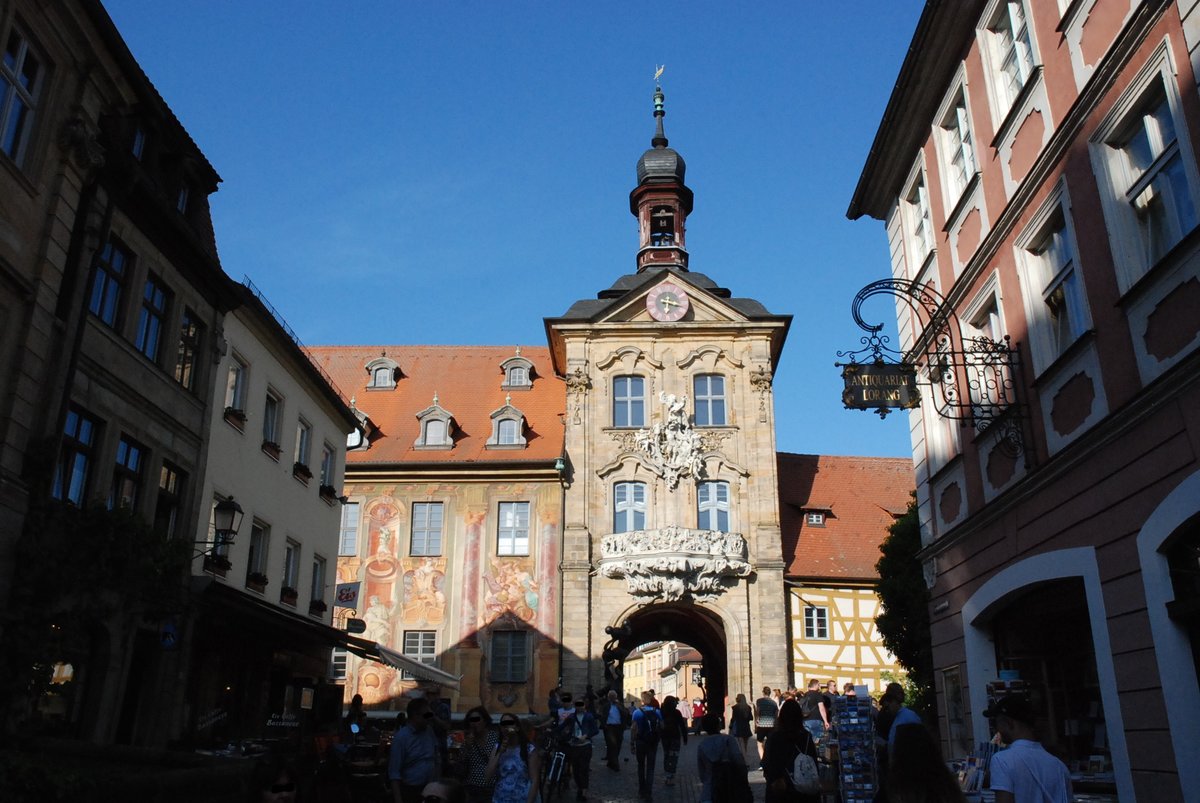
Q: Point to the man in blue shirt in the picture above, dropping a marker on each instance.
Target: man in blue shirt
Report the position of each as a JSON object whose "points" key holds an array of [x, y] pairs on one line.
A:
{"points": [[893, 703], [413, 761]]}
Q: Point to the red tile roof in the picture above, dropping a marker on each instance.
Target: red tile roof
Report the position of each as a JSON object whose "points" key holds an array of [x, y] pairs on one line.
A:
{"points": [[861, 497], [467, 381]]}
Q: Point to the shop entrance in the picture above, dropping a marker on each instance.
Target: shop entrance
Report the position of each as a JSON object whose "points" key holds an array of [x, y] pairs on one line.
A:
{"points": [[1043, 638], [683, 623]]}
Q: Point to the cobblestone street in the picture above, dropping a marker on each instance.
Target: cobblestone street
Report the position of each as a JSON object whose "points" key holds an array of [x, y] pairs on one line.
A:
{"points": [[618, 787]]}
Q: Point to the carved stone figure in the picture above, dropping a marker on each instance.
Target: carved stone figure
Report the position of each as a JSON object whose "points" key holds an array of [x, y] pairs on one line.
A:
{"points": [[673, 447], [674, 562]]}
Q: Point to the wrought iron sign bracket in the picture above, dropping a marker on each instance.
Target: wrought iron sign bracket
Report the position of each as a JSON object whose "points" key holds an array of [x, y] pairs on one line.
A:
{"points": [[974, 380]]}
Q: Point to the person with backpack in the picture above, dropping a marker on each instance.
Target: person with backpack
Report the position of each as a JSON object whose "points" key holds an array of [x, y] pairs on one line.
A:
{"points": [[812, 706], [790, 759], [646, 730], [721, 766]]}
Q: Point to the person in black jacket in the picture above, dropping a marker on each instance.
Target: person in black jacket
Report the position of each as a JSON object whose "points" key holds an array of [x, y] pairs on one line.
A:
{"points": [[674, 734], [787, 740]]}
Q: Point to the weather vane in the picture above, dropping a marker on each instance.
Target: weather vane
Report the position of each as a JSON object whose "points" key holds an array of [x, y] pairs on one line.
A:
{"points": [[658, 71]]}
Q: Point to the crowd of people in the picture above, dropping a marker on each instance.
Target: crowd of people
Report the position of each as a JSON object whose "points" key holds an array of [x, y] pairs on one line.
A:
{"points": [[500, 761]]}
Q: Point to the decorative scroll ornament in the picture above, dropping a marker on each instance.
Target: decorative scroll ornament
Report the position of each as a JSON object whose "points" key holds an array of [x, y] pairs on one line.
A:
{"points": [[974, 380], [760, 381], [673, 447], [578, 384], [675, 562]]}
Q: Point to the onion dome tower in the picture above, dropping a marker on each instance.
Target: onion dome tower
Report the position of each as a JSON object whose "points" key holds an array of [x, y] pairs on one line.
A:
{"points": [[661, 201]]}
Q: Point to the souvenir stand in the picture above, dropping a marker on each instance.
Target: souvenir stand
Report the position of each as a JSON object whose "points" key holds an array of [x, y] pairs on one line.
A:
{"points": [[855, 742]]}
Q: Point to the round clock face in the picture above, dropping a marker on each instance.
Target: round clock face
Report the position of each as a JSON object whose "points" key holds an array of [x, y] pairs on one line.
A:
{"points": [[667, 302]]}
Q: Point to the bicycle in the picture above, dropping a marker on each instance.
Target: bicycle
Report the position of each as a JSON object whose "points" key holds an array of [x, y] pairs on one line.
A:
{"points": [[556, 769]]}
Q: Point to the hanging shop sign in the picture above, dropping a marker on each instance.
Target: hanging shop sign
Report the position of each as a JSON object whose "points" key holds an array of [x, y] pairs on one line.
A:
{"points": [[880, 386]]}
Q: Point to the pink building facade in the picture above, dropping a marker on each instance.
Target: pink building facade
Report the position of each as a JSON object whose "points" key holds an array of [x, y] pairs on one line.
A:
{"points": [[1036, 168]]}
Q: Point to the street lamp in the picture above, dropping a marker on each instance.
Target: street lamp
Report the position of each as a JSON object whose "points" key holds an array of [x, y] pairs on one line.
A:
{"points": [[227, 520]]}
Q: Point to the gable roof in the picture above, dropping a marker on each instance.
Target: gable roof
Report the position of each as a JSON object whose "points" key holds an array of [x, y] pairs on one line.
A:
{"points": [[467, 381], [861, 497]]}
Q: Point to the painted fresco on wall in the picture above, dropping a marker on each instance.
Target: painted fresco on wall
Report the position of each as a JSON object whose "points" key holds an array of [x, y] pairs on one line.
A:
{"points": [[424, 597], [511, 588]]}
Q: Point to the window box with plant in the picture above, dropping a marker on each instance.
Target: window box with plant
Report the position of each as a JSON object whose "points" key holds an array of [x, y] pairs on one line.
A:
{"points": [[288, 595], [317, 607], [271, 449], [329, 493], [217, 564], [257, 581], [301, 472], [236, 417]]}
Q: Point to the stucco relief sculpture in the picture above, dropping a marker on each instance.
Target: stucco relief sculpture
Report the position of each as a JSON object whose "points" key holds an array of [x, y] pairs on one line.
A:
{"points": [[760, 381], [673, 447], [674, 562], [578, 384]]}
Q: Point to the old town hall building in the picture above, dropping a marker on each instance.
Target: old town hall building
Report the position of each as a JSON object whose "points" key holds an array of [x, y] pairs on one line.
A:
{"points": [[523, 516]]}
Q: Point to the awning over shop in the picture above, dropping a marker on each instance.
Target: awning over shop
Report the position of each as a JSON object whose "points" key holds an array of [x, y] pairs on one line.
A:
{"points": [[374, 651]]}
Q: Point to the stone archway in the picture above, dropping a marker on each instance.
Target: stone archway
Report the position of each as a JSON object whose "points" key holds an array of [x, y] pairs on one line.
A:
{"points": [[684, 622]]}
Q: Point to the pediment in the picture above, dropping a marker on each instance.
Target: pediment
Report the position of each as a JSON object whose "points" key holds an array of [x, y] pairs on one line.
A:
{"points": [[704, 306]]}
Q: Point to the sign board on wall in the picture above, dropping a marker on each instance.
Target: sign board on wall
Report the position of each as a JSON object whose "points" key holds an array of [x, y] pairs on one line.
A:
{"points": [[880, 387]]}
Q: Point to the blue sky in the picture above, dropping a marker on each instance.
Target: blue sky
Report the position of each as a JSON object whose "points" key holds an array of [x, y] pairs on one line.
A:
{"points": [[454, 172]]}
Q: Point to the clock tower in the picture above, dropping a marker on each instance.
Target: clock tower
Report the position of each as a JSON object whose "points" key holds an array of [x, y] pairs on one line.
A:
{"points": [[661, 200], [671, 529]]}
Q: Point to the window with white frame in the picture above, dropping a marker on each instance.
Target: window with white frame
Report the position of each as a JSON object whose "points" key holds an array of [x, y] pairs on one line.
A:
{"points": [[1142, 154], [508, 431], [957, 147], [291, 564], [709, 393], [629, 401], [235, 384], [272, 416], [420, 645], [629, 507], [348, 540], [436, 431], [918, 223], [510, 656], [303, 442], [260, 538], [712, 502], [1010, 52], [20, 84], [427, 520], [816, 622], [988, 380], [328, 459], [513, 531], [1055, 301], [814, 518], [383, 373], [317, 584]]}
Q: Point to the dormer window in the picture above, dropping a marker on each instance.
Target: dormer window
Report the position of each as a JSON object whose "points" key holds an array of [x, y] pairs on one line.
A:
{"points": [[662, 226], [383, 373], [508, 428], [437, 427], [518, 372], [815, 518]]}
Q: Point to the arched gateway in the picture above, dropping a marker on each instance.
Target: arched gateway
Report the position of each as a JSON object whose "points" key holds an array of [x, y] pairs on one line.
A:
{"points": [[671, 504]]}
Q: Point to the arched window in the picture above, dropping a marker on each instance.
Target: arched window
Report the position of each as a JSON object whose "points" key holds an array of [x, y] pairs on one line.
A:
{"points": [[629, 507], [507, 431], [383, 372], [435, 432]]}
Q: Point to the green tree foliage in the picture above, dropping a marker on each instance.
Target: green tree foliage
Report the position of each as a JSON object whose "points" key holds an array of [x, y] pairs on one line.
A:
{"points": [[904, 620]]}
